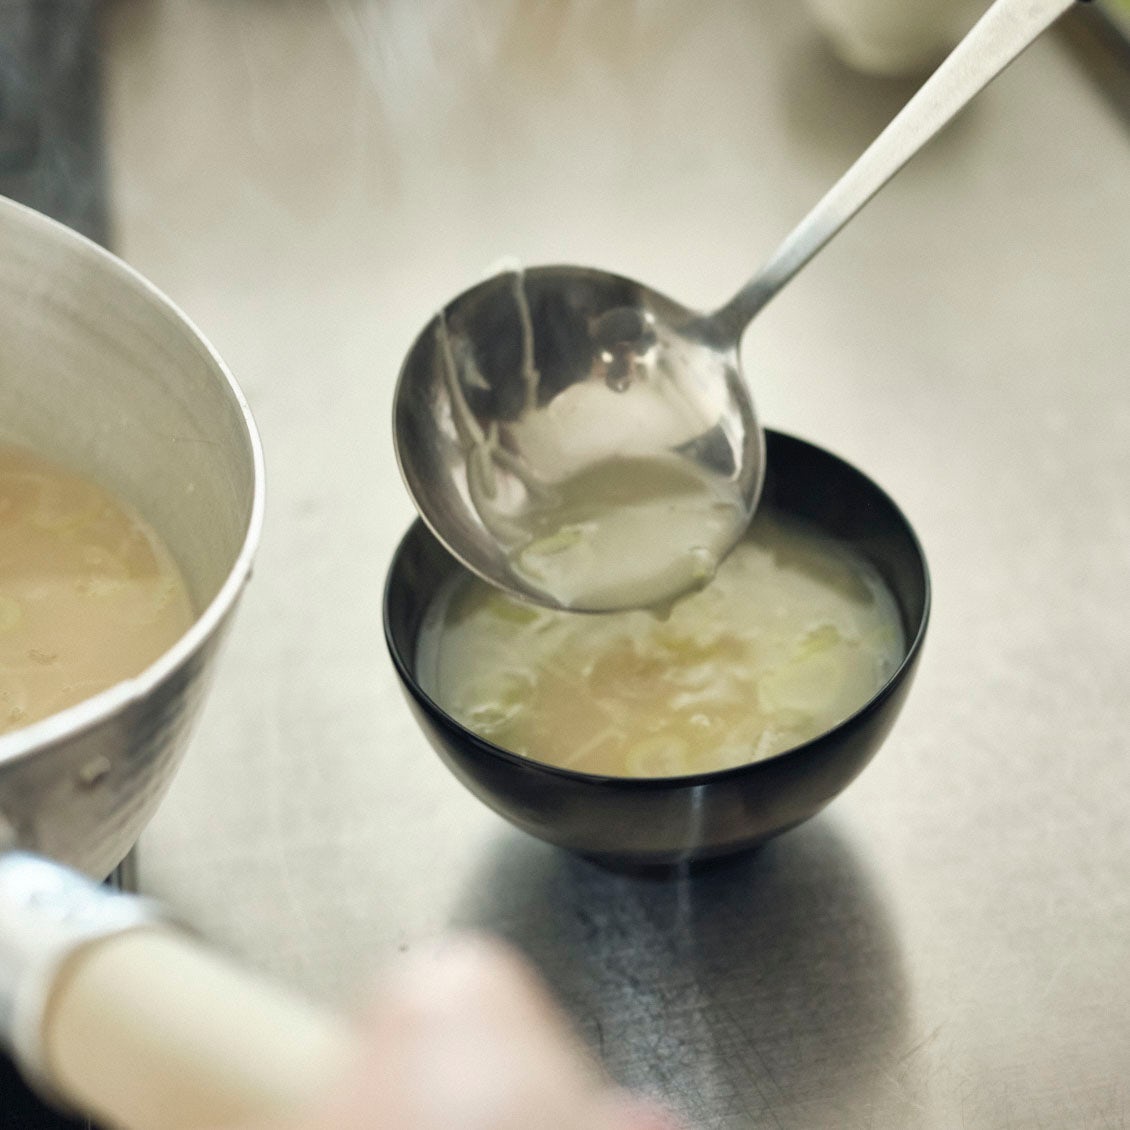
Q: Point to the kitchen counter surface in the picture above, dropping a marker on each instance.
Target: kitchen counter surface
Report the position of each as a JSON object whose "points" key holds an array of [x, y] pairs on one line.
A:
{"points": [[948, 943]]}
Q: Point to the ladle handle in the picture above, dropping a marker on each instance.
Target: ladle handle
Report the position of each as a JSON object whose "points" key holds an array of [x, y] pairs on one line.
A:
{"points": [[115, 1012], [1004, 31], [149, 1030]]}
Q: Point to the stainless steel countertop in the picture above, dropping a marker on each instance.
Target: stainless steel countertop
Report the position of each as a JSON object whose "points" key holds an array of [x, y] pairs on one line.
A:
{"points": [[948, 944]]}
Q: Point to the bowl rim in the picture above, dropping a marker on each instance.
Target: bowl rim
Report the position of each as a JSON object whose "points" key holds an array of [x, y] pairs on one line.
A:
{"points": [[687, 780], [85, 715]]}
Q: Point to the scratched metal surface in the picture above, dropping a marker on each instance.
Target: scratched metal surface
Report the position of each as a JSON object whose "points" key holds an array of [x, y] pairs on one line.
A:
{"points": [[947, 945]]}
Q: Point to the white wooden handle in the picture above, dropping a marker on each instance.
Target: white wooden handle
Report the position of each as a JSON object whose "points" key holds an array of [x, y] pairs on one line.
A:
{"points": [[149, 1030]]}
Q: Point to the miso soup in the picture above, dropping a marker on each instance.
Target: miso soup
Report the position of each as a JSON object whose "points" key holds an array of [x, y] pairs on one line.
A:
{"points": [[793, 635], [89, 595]]}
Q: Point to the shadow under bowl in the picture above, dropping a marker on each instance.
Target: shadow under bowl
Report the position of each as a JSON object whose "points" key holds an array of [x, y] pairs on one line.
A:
{"points": [[627, 821]]}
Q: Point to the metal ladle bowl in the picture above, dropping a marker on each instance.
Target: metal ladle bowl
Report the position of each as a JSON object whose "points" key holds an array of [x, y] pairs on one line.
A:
{"points": [[608, 371], [536, 387]]}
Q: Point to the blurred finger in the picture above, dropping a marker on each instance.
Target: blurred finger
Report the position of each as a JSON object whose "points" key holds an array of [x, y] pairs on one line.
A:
{"points": [[466, 1037]]}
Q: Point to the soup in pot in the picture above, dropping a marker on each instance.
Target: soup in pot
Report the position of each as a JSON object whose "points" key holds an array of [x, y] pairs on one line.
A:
{"points": [[89, 595]]}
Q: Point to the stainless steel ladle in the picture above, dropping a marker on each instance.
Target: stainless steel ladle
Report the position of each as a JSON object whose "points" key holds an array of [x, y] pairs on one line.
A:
{"points": [[584, 441]]}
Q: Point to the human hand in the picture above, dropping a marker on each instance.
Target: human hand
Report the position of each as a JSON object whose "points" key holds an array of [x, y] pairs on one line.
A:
{"points": [[468, 1038]]}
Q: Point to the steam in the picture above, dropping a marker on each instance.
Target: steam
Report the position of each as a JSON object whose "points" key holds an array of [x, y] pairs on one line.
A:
{"points": [[424, 61]]}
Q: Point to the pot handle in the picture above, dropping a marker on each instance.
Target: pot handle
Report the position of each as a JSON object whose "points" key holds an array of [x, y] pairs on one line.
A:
{"points": [[141, 1025]]}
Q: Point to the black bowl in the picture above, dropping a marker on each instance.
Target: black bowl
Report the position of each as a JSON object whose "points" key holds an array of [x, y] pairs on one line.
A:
{"points": [[648, 821]]}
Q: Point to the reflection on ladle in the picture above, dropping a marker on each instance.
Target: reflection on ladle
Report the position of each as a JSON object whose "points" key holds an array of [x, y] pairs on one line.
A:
{"points": [[584, 441]]}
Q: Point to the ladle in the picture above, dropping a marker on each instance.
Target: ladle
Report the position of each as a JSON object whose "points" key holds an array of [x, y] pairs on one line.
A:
{"points": [[584, 441]]}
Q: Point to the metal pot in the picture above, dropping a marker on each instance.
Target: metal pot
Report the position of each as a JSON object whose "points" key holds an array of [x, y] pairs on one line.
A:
{"points": [[101, 372]]}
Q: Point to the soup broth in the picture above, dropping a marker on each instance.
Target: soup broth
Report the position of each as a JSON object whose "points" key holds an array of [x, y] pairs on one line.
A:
{"points": [[792, 636], [628, 533], [89, 595]]}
